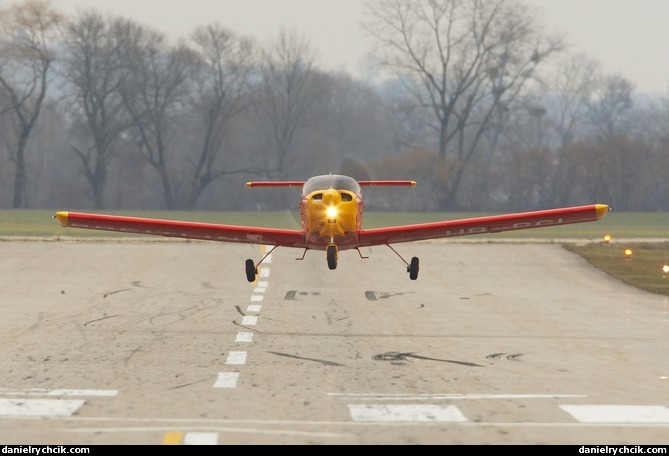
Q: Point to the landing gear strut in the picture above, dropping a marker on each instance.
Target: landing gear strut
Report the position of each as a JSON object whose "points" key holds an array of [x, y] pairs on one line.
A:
{"points": [[252, 268], [412, 268]]}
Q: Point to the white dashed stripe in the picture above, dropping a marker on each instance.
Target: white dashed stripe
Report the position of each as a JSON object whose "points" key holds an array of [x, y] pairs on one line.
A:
{"points": [[254, 308], [244, 337], [39, 407], [236, 357], [226, 380], [264, 272], [268, 259], [413, 413], [249, 320], [257, 298], [263, 283], [259, 290], [201, 438], [618, 413]]}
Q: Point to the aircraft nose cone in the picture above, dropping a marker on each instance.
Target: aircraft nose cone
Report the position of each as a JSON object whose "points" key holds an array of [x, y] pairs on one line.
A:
{"points": [[331, 197]]}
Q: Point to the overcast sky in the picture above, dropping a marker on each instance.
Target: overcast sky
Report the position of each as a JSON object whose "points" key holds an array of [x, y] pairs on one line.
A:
{"points": [[630, 37]]}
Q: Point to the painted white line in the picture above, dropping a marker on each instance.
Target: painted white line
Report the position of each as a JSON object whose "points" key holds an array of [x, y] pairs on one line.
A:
{"points": [[259, 290], [56, 392], [618, 413], [249, 320], [409, 412], [236, 357], [434, 397], [181, 424], [234, 430], [201, 438], [268, 259], [39, 407], [257, 297], [226, 380], [263, 283], [244, 336], [254, 308], [264, 272]]}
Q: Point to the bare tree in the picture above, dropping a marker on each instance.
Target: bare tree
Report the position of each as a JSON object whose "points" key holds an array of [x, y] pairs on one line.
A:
{"points": [[575, 81], [610, 105], [95, 70], [156, 95], [222, 85], [292, 88], [26, 57], [463, 61]]}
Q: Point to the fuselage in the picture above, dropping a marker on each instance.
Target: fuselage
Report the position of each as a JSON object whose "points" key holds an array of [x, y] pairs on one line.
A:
{"points": [[331, 212]]}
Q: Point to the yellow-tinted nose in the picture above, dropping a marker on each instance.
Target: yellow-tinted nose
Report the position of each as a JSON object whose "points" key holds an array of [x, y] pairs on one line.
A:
{"points": [[331, 197]]}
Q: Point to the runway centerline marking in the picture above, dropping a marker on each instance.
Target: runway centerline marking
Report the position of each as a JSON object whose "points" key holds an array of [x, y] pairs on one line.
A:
{"points": [[257, 297], [226, 380], [249, 320], [244, 336], [236, 357], [254, 308]]}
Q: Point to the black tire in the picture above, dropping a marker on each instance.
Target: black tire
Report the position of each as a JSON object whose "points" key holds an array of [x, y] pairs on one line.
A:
{"points": [[413, 268], [332, 256], [251, 271]]}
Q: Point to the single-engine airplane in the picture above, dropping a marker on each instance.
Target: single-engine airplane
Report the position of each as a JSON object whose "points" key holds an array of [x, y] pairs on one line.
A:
{"points": [[331, 208]]}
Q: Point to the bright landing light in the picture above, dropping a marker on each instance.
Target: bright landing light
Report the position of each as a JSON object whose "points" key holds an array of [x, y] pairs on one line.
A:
{"points": [[665, 269], [331, 212]]}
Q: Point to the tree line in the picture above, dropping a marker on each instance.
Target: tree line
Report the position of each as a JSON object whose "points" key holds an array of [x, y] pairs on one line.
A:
{"points": [[473, 99]]}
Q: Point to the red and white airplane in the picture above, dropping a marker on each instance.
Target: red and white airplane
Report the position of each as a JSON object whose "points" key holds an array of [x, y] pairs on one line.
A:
{"points": [[331, 210]]}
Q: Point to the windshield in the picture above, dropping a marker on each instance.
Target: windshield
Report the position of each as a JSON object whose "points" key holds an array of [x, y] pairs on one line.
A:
{"points": [[335, 181]]}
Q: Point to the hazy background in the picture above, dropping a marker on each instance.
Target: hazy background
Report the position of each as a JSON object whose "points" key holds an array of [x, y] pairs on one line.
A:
{"points": [[629, 37], [139, 105]]}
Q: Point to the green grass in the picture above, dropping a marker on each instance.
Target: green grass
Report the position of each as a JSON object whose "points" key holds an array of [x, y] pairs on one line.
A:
{"points": [[642, 270]]}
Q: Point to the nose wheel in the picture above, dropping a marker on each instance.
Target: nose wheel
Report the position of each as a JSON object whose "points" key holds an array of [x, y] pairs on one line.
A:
{"points": [[331, 251]]}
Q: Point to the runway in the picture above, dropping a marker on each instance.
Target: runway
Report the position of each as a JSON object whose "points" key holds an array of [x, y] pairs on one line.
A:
{"points": [[167, 343]]}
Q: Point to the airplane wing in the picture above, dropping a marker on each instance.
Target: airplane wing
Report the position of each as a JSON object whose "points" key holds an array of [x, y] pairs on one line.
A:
{"points": [[482, 225], [181, 229]]}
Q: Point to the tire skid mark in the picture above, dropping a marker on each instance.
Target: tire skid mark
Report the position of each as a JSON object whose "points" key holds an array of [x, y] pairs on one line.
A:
{"points": [[509, 356], [399, 359], [115, 291], [322, 361], [102, 318]]}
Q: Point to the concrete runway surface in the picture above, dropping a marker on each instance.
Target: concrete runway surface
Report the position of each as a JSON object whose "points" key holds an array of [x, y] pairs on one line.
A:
{"points": [[167, 343]]}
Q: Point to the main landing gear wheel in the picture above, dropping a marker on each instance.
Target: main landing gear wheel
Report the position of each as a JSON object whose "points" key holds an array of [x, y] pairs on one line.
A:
{"points": [[332, 256], [251, 271], [413, 269]]}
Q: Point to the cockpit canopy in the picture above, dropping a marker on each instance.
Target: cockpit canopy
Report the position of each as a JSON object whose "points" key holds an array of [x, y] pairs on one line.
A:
{"points": [[336, 181]]}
